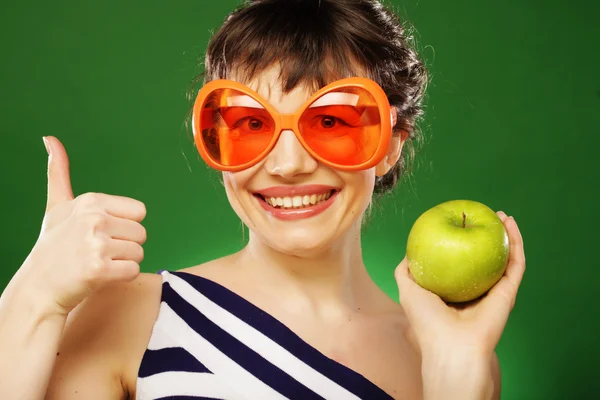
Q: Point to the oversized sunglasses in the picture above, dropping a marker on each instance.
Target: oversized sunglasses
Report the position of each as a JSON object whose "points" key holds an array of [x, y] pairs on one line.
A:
{"points": [[345, 125]]}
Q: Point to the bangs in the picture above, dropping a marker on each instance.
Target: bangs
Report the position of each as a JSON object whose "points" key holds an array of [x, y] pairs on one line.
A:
{"points": [[294, 71], [303, 38]]}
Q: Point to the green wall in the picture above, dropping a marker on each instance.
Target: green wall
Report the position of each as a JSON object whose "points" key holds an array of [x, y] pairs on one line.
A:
{"points": [[513, 121]]}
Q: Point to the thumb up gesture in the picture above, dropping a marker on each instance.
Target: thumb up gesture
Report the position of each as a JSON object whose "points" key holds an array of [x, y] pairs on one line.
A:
{"points": [[85, 243]]}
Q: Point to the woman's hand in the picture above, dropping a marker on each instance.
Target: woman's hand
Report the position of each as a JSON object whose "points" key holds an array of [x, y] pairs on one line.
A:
{"points": [[85, 242], [466, 333]]}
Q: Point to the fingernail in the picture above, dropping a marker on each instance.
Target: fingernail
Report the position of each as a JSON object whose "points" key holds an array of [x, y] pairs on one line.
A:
{"points": [[501, 213], [46, 144]]}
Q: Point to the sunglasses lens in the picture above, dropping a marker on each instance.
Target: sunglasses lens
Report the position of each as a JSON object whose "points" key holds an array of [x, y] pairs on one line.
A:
{"points": [[343, 126], [235, 128]]}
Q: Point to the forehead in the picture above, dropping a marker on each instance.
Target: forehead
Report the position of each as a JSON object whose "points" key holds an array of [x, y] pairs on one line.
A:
{"points": [[269, 82], [269, 86]]}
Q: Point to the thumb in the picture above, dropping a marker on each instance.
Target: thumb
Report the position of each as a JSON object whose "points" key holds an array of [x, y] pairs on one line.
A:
{"points": [[403, 277], [59, 178], [415, 300], [407, 287]]}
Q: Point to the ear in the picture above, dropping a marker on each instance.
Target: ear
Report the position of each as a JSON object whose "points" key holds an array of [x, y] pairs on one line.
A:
{"points": [[395, 150]]}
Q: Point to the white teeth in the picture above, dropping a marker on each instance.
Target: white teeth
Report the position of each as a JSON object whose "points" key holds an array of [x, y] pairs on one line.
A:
{"points": [[297, 201]]}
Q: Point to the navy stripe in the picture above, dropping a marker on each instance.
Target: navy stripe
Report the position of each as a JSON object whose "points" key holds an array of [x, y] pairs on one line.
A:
{"points": [[241, 354], [169, 359], [278, 332]]}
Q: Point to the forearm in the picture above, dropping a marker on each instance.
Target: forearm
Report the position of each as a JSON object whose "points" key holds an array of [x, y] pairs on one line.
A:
{"points": [[458, 376], [29, 340]]}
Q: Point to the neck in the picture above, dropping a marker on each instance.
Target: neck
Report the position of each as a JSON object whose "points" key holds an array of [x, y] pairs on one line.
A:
{"points": [[332, 279]]}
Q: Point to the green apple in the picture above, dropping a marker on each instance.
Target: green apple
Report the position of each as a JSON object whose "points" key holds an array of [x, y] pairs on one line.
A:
{"points": [[458, 250]]}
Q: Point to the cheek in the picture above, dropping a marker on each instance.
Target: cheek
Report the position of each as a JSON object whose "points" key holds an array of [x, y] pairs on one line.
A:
{"points": [[237, 181], [236, 189], [366, 181], [361, 185], [369, 180], [234, 183]]}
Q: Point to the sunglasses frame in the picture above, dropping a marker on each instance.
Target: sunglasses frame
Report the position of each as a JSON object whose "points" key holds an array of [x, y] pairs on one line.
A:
{"points": [[291, 121]]}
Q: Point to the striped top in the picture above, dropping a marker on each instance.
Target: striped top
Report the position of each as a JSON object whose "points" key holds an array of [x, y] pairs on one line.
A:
{"points": [[210, 343]]}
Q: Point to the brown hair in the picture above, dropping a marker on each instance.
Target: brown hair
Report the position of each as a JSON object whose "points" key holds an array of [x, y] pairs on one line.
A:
{"points": [[318, 41]]}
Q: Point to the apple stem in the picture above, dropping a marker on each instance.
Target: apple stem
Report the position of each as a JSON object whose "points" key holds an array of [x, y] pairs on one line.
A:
{"points": [[464, 219]]}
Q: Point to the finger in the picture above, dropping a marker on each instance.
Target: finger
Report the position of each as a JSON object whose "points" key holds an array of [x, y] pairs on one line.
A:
{"points": [[122, 270], [403, 275], [125, 250], [125, 229], [413, 298], [516, 253], [502, 215], [117, 206], [503, 294], [126, 207], [59, 179], [406, 287]]}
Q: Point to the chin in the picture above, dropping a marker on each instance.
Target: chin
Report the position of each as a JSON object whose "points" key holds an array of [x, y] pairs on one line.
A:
{"points": [[300, 242]]}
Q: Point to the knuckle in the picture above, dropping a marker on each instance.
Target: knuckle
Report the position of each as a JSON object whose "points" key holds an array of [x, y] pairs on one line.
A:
{"points": [[95, 220], [88, 199], [95, 269], [98, 246]]}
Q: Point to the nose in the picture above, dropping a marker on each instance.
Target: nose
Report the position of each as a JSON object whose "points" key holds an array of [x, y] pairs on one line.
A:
{"points": [[289, 158]]}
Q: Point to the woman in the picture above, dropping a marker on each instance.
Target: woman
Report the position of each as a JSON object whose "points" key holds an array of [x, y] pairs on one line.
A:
{"points": [[309, 108]]}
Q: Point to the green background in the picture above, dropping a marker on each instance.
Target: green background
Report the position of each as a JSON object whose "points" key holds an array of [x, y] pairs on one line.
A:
{"points": [[512, 121]]}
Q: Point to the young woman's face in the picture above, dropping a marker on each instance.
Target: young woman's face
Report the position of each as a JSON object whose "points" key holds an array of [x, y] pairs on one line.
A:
{"points": [[289, 200]]}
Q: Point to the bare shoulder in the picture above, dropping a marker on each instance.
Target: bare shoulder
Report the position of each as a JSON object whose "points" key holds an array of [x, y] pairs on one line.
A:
{"points": [[104, 340]]}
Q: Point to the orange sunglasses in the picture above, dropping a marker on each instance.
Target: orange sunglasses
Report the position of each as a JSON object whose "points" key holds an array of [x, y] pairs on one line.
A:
{"points": [[345, 125]]}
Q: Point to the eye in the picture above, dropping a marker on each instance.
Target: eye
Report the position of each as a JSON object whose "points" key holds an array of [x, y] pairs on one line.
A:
{"points": [[252, 125], [246, 120], [328, 122], [255, 124]]}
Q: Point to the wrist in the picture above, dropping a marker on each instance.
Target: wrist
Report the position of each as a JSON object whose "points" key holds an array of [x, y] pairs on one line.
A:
{"points": [[464, 375], [30, 306], [26, 293]]}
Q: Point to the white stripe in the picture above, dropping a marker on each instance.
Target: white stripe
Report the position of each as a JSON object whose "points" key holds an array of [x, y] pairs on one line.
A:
{"points": [[260, 343], [336, 98], [160, 339], [243, 101], [332, 98], [181, 383], [242, 383]]}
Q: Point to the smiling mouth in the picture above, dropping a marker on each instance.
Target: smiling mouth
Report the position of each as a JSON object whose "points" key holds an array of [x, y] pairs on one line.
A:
{"points": [[296, 202]]}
